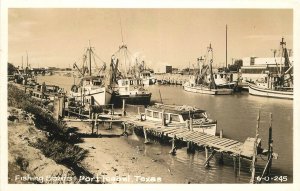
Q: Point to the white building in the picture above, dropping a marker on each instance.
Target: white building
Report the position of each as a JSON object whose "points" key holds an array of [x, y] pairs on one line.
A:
{"points": [[254, 68]]}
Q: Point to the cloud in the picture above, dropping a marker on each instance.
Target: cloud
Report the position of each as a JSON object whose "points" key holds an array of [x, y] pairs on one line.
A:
{"points": [[20, 30]]}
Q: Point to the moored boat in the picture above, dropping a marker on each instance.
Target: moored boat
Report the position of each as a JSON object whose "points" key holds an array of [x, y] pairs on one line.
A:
{"points": [[276, 84], [93, 89], [203, 81], [125, 81], [286, 93], [175, 115]]}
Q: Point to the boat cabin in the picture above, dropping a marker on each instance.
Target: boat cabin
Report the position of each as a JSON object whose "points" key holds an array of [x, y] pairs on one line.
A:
{"points": [[91, 81], [174, 114]]}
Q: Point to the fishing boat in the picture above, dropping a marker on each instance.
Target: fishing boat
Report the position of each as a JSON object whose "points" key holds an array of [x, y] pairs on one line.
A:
{"points": [[175, 115], [147, 77], [43, 92], [204, 81], [276, 84], [125, 81], [92, 88]]}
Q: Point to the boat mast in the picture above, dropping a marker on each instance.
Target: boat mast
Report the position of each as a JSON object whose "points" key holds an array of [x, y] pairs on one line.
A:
{"points": [[90, 58], [124, 47], [22, 62], [226, 46], [27, 59], [282, 43], [210, 65]]}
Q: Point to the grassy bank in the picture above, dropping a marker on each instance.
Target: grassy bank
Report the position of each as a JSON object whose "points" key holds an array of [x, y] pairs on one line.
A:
{"points": [[59, 145]]}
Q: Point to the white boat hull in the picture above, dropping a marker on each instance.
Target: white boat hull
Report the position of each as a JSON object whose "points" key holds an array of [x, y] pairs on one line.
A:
{"points": [[205, 90], [102, 96], [210, 129], [254, 90]]}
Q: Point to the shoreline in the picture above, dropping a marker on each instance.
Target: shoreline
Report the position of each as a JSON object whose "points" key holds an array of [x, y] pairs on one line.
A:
{"points": [[109, 158]]}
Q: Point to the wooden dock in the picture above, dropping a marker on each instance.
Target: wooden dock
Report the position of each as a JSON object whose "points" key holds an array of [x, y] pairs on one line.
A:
{"points": [[199, 139], [179, 135]]}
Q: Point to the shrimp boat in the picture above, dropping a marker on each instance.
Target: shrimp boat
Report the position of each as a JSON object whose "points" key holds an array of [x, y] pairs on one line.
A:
{"points": [[276, 85], [175, 115], [92, 89], [126, 83], [203, 81], [148, 78]]}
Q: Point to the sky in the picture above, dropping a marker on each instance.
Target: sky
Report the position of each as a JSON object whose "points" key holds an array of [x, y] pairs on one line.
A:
{"points": [[177, 37]]}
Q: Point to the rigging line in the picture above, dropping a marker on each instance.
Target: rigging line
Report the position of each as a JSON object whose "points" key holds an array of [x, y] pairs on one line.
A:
{"points": [[97, 68], [125, 67], [99, 58], [130, 60], [93, 54], [121, 29]]}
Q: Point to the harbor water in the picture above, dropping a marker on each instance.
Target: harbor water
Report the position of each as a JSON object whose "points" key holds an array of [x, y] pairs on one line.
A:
{"points": [[237, 117]]}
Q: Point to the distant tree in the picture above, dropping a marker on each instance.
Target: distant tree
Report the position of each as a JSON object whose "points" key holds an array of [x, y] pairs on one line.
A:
{"points": [[10, 69], [236, 66]]}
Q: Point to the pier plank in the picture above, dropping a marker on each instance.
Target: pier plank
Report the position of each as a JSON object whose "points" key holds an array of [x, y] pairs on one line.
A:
{"points": [[196, 136], [220, 141], [227, 144], [181, 133]]}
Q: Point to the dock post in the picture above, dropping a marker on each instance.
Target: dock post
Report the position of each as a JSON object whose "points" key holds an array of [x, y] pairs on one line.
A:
{"points": [[93, 126], [191, 124], [138, 110], [270, 149], [173, 149], [234, 165], [252, 180], [187, 125], [123, 108], [221, 133], [163, 122], [190, 147], [90, 113], [221, 159], [145, 135], [112, 109], [124, 129], [96, 123], [240, 165], [206, 157]]}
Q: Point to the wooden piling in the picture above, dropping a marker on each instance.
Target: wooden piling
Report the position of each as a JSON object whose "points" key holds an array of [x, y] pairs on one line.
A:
{"points": [[123, 108], [191, 124], [96, 123], [163, 121], [234, 165], [255, 151], [124, 129], [221, 133], [240, 165], [145, 135], [270, 148], [173, 149], [221, 159], [206, 157]]}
